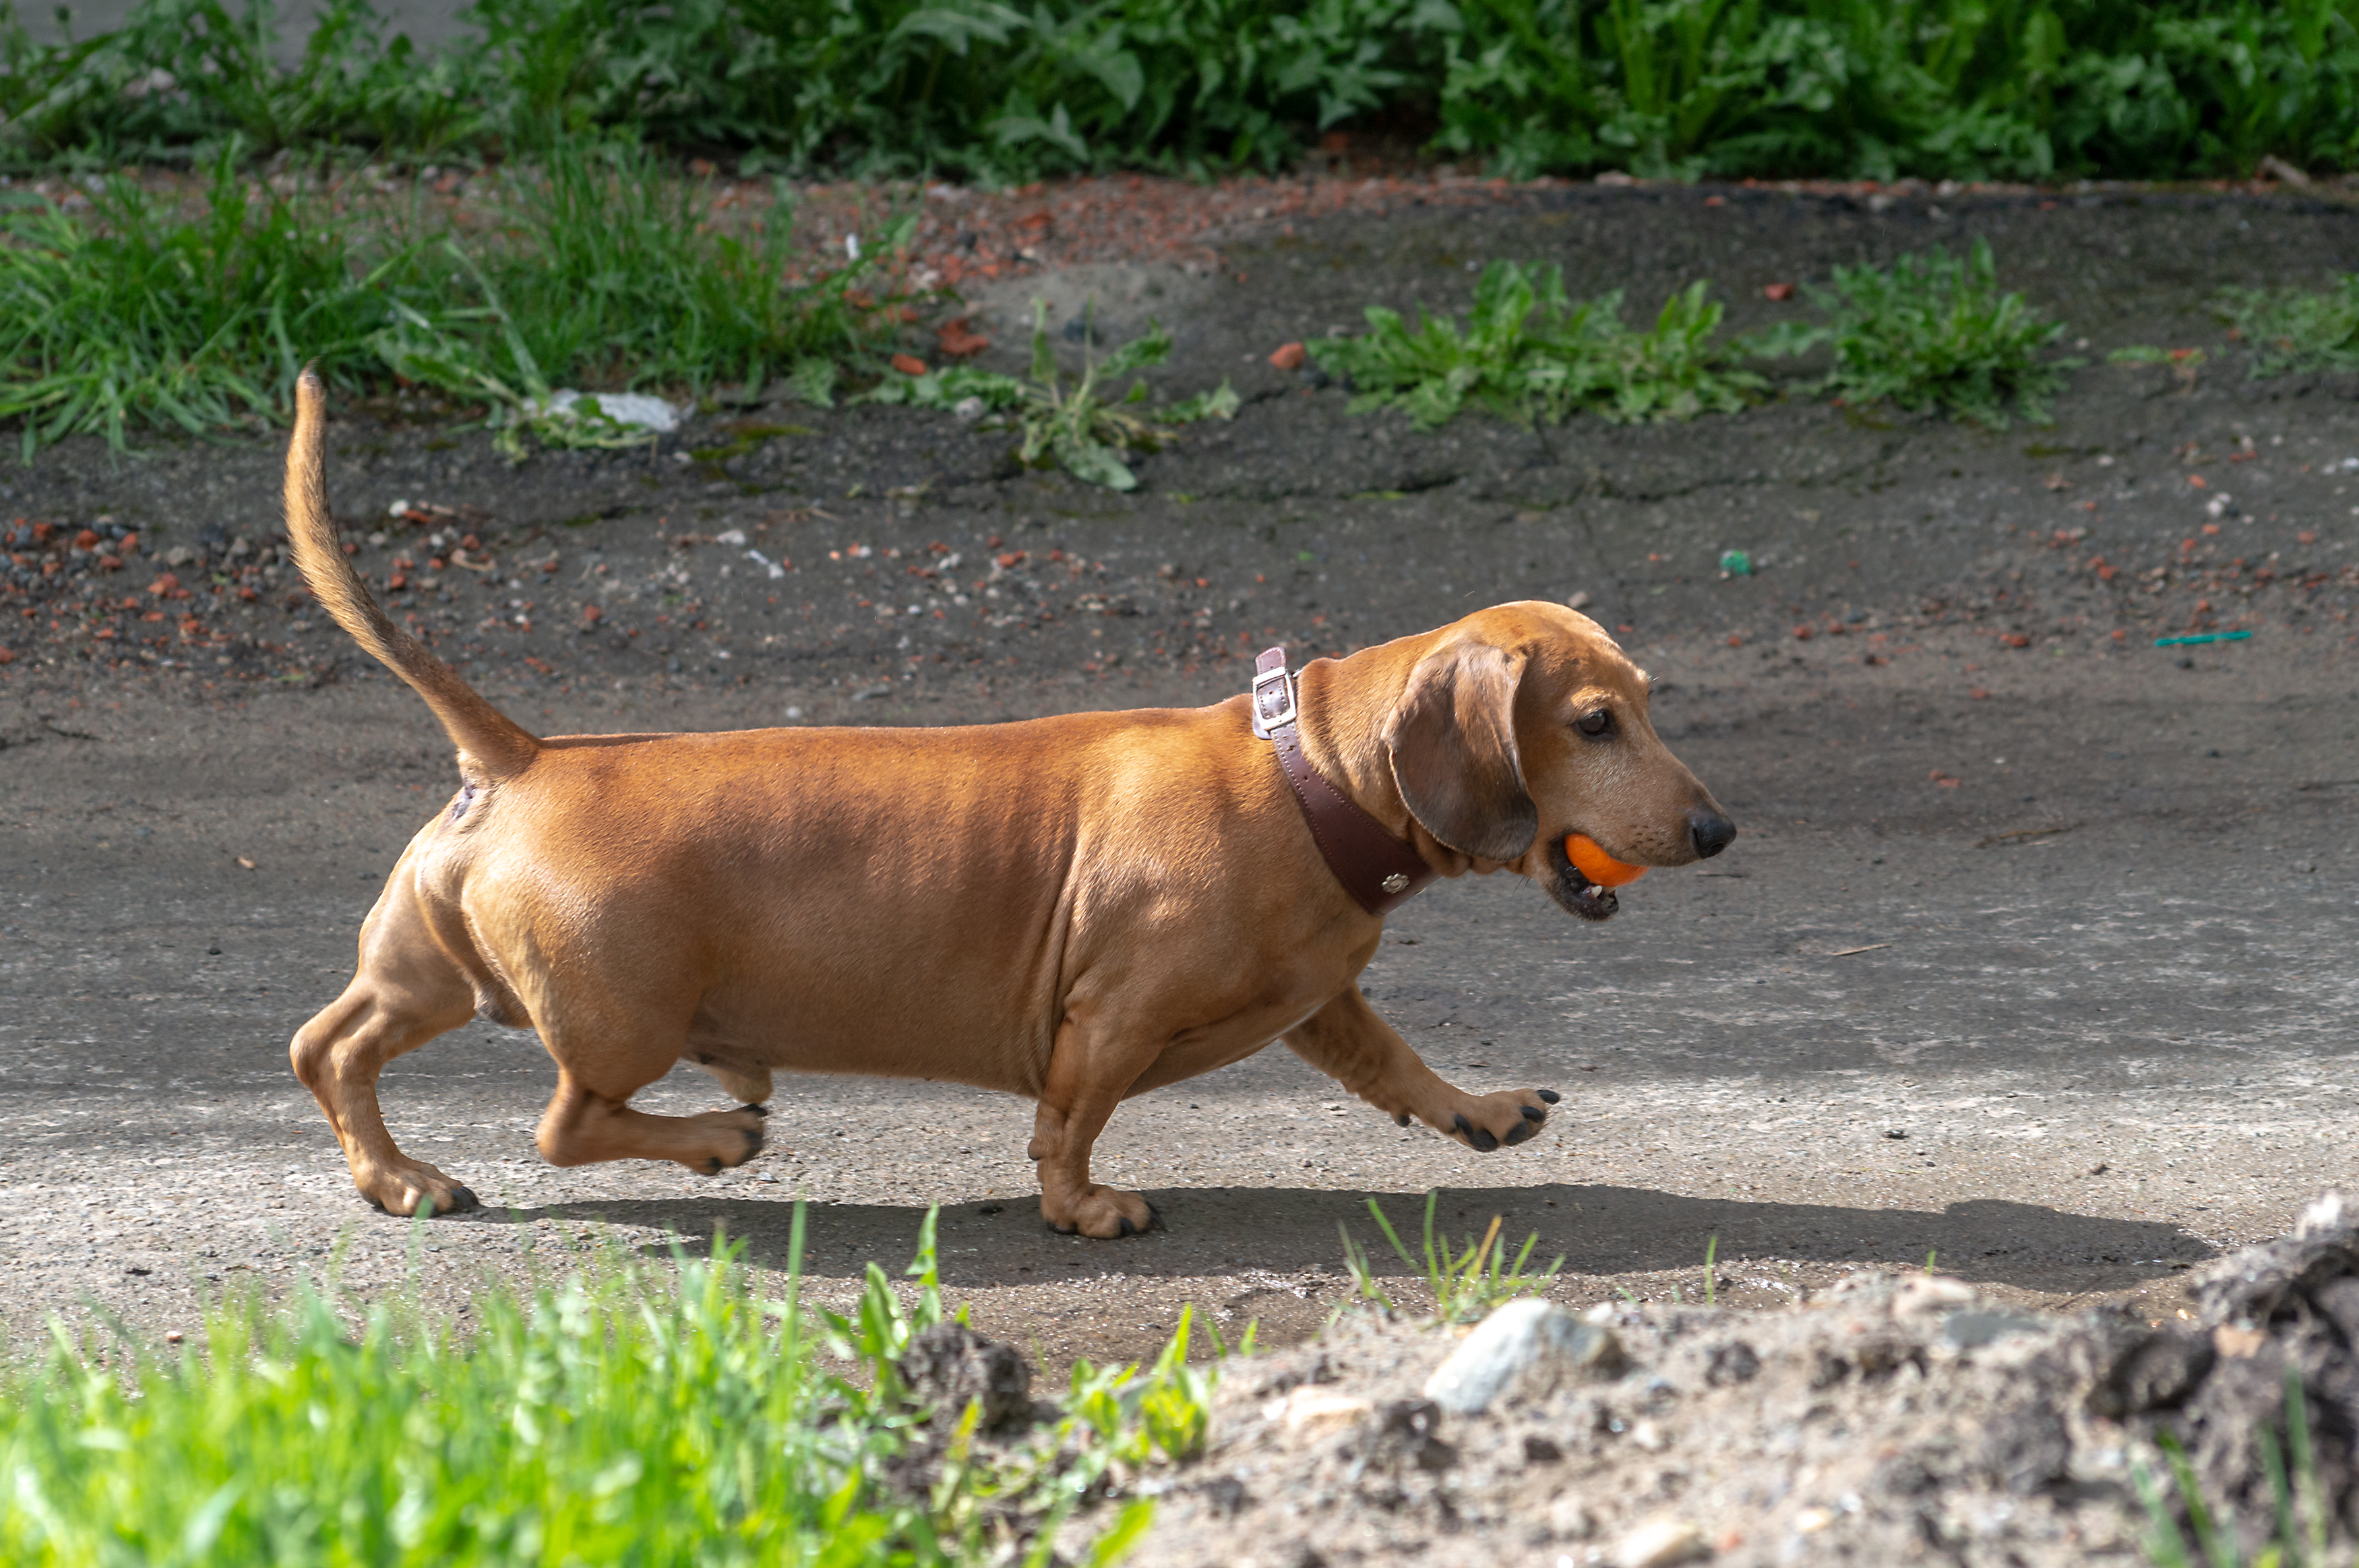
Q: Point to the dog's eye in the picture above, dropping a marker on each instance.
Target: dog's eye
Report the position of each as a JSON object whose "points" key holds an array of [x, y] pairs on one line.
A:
{"points": [[1596, 723]]}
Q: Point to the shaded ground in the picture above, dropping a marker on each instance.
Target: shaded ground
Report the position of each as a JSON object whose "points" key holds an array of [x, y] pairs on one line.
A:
{"points": [[2069, 915]]}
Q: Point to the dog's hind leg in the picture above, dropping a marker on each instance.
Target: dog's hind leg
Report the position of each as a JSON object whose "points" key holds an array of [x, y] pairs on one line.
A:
{"points": [[608, 1050], [405, 993], [1346, 1041]]}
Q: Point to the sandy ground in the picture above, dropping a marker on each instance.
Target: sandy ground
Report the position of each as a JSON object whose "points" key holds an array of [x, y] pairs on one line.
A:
{"points": [[2035, 958]]}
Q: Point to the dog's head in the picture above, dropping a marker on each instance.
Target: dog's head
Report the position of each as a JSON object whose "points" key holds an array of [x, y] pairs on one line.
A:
{"points": [[1525, 723]]}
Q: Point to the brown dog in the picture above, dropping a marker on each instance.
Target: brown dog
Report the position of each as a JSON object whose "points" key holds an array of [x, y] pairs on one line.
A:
{"points": [[1076, 908]]}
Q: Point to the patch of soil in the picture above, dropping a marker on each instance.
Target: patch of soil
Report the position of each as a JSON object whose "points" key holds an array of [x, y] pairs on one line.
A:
{"points": [[1893, 1419]]}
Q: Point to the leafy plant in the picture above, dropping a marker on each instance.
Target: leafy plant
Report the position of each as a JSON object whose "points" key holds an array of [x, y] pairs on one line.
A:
{"points": [[1080, 429], [1466, 1283], [1002, 93], [629, 1414], [2300, 1502], [1531, 353], [1933, 332], [2295, 329]]}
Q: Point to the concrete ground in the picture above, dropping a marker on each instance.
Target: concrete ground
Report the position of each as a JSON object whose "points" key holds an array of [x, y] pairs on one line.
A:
{"points": [[2035, 955]]}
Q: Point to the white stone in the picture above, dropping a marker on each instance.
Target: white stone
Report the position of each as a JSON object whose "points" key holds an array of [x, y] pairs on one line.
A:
{"points": [[1527, 1348], [635, 410], [1661, 1545], [1931, 1293], [1309, 1411], [1570, 1519]]}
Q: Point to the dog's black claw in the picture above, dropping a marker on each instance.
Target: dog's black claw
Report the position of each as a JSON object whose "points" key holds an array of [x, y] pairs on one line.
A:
{"points": [[464, 1199], [1520, 1132], [1056, 1229], [757, 1110], [1128, 1229], [1550, 1095], [1533, 1113], [1481, 1138], [1401, 1118]]}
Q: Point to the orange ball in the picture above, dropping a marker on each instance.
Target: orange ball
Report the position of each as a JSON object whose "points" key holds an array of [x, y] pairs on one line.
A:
{"points": [[1597, 865]]}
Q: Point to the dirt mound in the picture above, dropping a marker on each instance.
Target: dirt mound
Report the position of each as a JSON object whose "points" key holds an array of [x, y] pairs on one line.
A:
{"points": [[1894, 1419]]}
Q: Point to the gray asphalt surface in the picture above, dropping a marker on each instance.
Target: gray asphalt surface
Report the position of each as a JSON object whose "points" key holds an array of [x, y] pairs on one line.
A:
{"points": [[2037, 958], [2161, 989]]}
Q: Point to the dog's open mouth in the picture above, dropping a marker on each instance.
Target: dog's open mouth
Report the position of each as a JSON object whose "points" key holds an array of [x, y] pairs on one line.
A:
{"points": [[1574, 890]]}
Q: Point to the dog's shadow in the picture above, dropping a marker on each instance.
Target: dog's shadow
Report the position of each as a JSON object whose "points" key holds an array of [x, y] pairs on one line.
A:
{"points": [[1601, 1230]]}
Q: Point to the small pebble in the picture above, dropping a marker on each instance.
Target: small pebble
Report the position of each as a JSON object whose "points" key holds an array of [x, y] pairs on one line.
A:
{"points": [[1661, 1545], [1569, 1519]]}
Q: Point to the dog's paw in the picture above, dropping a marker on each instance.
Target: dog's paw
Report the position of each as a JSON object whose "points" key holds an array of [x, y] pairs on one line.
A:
{"points": [[724, 1138], [1104, 1213], [1502, 1121], [408, 1188]]}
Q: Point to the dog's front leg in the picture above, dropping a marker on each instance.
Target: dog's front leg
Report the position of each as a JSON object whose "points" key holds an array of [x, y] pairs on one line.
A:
{"points": [[1346, 1041], [1088, 1076]]}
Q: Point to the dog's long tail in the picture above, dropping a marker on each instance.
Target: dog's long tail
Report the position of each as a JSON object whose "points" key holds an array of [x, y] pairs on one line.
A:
{"points": [[491, 746]]}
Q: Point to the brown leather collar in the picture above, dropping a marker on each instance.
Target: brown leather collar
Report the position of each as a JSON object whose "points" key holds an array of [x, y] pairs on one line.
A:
{"points": [[1378, 870]]}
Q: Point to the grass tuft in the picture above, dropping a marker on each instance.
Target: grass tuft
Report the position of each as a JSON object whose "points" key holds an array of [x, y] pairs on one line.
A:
{"points": [[1080, 429], [1531, 353], [629, 1415], [1466, 1283], [592, 265], [2301, 1505], [132, 315], [1933, 332], [2296, 330]]}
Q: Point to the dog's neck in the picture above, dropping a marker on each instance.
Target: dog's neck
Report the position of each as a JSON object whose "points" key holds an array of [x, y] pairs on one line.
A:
{"points": [[1342, 730]]}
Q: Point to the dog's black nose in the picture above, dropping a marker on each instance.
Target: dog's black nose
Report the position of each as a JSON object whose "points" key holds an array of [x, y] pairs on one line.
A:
{"points": [[1712, 832]]}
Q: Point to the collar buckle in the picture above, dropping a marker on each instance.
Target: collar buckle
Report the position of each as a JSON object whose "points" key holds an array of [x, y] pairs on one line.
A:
{"points": [[1267, 718]]}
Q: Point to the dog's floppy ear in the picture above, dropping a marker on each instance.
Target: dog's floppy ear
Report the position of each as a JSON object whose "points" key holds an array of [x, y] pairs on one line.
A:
{"points": [[1452, 740]]}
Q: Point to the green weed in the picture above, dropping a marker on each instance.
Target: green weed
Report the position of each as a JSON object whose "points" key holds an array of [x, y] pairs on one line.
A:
{"points": [[627, 1414], [2300, 1499], [1466, 1283], [1530, 353], [1931, 332], [1879, 89], [1077, 428], [2295, 329]]}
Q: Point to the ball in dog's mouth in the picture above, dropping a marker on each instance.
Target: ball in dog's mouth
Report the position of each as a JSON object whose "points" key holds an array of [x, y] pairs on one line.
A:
{"points": [[1571, 887]]}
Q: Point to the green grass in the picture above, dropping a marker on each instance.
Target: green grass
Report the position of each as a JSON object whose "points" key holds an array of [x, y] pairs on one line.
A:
{"points": [[629, 1415], [1531, 353], [2295, 329], [1941, 89], [1932, 333], [2301, 1503], [1466, 1281], [132, 315], [1079, 428], [593, 266]]}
